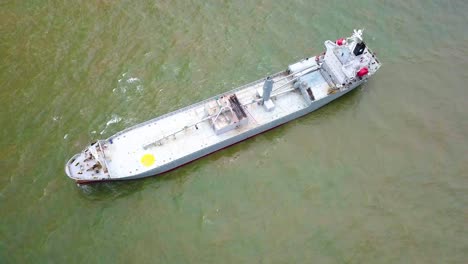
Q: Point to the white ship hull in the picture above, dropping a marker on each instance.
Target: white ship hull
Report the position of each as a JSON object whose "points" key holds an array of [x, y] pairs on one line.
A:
{"points": [[238, 138], [177, 138]]}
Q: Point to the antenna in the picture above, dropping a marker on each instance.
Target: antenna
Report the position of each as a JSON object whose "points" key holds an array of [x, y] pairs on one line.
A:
{"points": [[358, 34]]}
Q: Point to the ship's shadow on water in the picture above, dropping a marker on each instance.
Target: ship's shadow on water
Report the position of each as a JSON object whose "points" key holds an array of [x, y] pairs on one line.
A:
{"points": [[335, 108], [109, 190], [119, 189]]}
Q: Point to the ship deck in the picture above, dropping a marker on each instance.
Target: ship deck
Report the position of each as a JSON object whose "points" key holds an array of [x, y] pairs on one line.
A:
{"points": [[157, 137]]}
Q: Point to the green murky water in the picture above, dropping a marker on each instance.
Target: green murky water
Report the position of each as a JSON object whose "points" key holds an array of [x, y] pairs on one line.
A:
{"points": [[380, 176]]}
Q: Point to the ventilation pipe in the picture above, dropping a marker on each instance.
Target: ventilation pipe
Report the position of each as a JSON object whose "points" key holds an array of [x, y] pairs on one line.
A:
{"points": [[267, 87]]}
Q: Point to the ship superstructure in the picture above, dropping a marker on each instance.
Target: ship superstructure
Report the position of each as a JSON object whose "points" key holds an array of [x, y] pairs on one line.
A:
{"points": [[176, 138]]}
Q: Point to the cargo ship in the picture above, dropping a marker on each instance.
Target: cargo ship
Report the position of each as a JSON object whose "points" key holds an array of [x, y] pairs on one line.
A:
{"points": [[174, 139]]}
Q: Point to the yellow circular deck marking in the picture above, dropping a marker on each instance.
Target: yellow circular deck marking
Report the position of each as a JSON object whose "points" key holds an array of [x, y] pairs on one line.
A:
{"points": [[147, 160]]}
